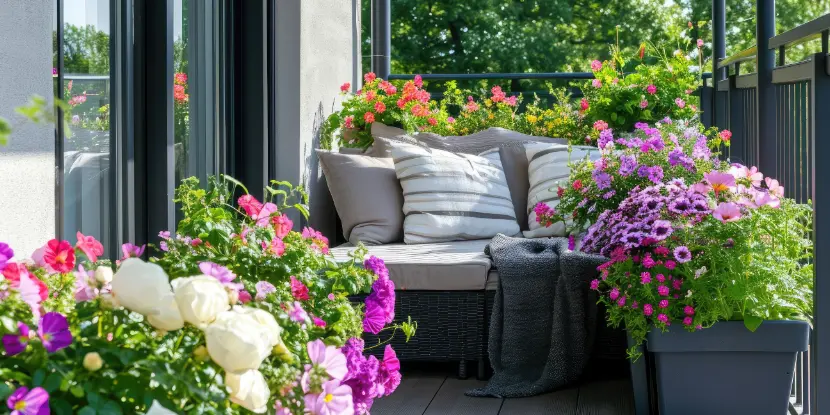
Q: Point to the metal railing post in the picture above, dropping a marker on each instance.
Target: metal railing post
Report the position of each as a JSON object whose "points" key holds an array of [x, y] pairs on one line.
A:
{"points": [[765, 96], [382, 38]]}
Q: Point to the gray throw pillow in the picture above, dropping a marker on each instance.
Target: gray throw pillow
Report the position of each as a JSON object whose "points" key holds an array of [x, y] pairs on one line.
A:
{"points": [[367, 196]]}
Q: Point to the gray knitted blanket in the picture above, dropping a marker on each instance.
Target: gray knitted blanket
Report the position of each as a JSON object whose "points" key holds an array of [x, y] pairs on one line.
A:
{"points": [[544, 318]]}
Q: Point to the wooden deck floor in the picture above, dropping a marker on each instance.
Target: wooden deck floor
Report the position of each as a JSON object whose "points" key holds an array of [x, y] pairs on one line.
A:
{"points": [[435, 394]]}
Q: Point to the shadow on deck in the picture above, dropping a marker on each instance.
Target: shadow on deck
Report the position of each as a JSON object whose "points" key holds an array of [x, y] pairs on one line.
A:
{"points": [[436, 392]]}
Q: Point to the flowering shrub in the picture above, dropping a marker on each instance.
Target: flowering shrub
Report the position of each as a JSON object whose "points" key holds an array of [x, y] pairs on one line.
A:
{"points": [[727, 247], [239, 313], [641, 90], [650, 155]]}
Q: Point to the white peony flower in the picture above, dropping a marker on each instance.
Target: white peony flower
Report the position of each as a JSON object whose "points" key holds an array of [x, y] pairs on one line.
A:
{"points": [[141, 287], [237, 340], [265, 318], [157, 409], [200, 299], [248, 389], [166, 316], [103, 274]]}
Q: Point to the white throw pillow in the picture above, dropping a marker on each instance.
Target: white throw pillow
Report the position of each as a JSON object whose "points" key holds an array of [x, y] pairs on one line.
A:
{"points": [[548, 168], [451, 197]]}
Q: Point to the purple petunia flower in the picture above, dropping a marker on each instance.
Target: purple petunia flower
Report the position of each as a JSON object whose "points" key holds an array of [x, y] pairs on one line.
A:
{"points": [[602, 179], [640, 125], [221, 273], [376, 265], [680, 206], [6, 253], [374, 318], [297, 313], [661, 229], [605, 136], [682, 254], [643, 171], [361, 376], [54, 332], [655, 174], [129, 250], [29, 402], [263, 288], [16, 343]]}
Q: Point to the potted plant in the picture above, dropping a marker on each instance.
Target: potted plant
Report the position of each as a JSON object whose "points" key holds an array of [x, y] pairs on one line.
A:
{"points": [[709, 269]]}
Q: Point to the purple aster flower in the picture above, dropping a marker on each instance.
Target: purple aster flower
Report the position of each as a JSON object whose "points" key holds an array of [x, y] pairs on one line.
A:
{"points": [[628, 164], [655, 174], [54, 332], [602, 179], [6, 253], [16, 343], [664, 304], [682, 254], [263, 288], [661, 229], [29, 402], [644, 171], [645, 277], [221, 273]]}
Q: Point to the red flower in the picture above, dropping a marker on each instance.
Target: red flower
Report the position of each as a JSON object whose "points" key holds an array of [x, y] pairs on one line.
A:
{"points": [[583, 105], [60, 256], [642, 52], [13, 271], [345, 87], [419, 82], [498, 94], [370, 96], [560, 191], [89, 246], [380, 107], [577, 184], [432, 121], [298, 289], [180, 78], [369, 77], [369, 117], [726, 135]]}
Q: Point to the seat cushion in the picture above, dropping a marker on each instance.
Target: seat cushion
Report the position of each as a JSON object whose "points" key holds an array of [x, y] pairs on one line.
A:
{"points": [[445, 266]]}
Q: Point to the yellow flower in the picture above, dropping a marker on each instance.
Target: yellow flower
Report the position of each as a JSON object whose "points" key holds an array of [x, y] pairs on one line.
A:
{"points": [[491, 116], [531, 118], [549, 125]]}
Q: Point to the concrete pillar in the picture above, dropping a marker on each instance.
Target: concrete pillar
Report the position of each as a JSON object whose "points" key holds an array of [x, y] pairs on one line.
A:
{"points": [[27, 164]]}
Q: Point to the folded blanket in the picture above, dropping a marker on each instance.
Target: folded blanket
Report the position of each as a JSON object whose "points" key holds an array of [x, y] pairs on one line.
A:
{"points": [[544, 318]]}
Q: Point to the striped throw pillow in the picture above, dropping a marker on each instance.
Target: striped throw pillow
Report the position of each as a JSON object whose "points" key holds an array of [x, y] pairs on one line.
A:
{"points": [[451, 197], [548, 168]]}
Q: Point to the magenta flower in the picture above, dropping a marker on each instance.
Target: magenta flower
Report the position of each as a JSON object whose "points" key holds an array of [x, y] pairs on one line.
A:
{"points": [[663, 318], [663, 290], [298, 289], [644, 104], [615, 292], [263, 217], [651, 89], [595, 284], [670, 265], [250, 204], [16, 343], [374, 318], [335, 399], [649, 262], [84, 287], [29, 402], [54, 332], [661, 278], [362, 376], [319, 322], [688, 321], [682, 255], [680, 103], [648, 310], [571, 242], [689, 310], [6, 253], [263, 288], [389, 375], [282, 225], [129, 250], [664, 304], [221, 273], [244, 297], [329, 358], [318, 241], [596, 66], [297, 313], [621, 301], [89, 246], [645, 278]]}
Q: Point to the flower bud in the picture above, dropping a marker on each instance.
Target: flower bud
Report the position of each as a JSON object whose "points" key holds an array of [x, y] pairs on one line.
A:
{"points": [[201, 354], [93, 361], [233, 297], [103, 274]]}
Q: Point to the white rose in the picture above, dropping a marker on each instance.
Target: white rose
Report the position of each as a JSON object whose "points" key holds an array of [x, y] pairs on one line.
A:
{"points": [[157, 409], [103, 274], [200, 299], [237, 341], [249, 390], [166, 316], [265, 318], [140, 286]]}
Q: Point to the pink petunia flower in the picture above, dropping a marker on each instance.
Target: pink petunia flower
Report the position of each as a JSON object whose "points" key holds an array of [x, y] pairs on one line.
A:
{"points": [[680, 103], [296, 313], [335, 399], [328, 358], [727, 212], [298, 289], [89, 246], [651, 89], [60, 256]]}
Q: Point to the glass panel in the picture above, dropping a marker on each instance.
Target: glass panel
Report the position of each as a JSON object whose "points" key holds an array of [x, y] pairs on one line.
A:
{"points": [[181, 90], [86, 149]]}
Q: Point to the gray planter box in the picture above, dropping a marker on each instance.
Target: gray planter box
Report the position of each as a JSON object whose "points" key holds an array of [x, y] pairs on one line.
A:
{"points": [[726, 369]]}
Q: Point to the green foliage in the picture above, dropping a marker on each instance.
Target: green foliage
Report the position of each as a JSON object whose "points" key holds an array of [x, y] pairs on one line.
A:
{"points": [[86, 50]]}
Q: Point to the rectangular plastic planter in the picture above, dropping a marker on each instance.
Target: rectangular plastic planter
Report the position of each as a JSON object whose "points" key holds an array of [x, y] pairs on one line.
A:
{"points": [[726, 369]]}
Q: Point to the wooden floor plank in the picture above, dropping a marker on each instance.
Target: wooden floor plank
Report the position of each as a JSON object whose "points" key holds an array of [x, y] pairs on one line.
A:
{"points": [[450, 400], [412, 396], [606, 397], [562, 402]]}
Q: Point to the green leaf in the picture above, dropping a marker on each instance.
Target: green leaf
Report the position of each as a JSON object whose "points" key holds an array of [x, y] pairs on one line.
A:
{"points": [[38, 377], [87, 410], [94, 399], [60, 406], [110, 408], [77, 391], [235, 182], [752, 322], [53, 382]]}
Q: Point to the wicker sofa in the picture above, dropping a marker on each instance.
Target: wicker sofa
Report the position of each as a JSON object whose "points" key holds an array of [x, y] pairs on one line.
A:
{"points": [[449, 287]]}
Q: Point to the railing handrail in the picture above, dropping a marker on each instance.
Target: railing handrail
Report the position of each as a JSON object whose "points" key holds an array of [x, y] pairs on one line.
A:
{"points": [[803, 33], [511, 75], [742, 56]]}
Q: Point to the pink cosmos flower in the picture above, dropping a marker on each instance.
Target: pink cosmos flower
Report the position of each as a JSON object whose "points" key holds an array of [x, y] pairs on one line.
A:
{"points": [[727, 212], [680, 103], [651, 89], [329, 358], [774, 187], [720, 182], [739, 171], [84, 285], [335, 399], [60, 256], [762, 198], [596, 65], [89, 246], [298, 289], [282, 225]]}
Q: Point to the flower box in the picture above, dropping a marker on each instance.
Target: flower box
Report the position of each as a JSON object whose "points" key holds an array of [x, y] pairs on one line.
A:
{"points": [[726, 369]]}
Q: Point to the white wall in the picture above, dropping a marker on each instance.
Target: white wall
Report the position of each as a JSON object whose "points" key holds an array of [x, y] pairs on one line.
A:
{"points": [[27, 164], [318, 49]]}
